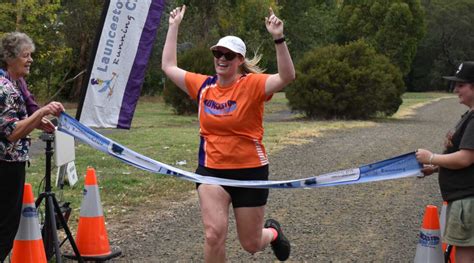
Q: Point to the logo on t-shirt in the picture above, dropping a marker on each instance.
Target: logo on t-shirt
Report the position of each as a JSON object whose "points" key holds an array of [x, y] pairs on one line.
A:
{"points": [[216, 108]]}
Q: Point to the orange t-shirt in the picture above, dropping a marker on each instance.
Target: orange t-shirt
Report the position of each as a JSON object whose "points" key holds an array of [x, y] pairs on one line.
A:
{"points": [[231, 120]]}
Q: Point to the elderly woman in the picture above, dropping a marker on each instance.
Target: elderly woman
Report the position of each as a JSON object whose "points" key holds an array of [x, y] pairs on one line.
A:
{"points": [[16, 122]]}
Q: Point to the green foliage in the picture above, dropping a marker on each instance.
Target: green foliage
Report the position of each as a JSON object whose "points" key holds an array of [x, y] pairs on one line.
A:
{"points": [[207, 21], [155, 78], [350, 81], [197, 59], [204, 24], [64, 32], [246, 19], [7, 16], [393, 27], [40, 20], [448, 41], [309, 24], [81, 21], [154, 82]]}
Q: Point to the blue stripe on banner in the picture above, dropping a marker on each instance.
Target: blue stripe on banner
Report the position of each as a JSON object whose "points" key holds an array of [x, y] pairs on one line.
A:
{"points": [[397, 167]]}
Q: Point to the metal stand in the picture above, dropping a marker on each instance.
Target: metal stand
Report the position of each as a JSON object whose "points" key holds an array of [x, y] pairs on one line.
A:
{"points": [[52, 209]]}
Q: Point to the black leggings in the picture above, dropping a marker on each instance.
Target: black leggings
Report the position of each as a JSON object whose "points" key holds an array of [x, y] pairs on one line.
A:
{"points": [[12, 177]]}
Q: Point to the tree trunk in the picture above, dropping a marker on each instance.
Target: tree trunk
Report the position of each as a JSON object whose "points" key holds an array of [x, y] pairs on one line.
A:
{"points": [[82, 64], [19, 15]]}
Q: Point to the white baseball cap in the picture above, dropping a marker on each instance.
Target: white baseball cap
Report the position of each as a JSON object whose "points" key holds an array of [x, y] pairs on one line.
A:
{"points": [[232, 43]]}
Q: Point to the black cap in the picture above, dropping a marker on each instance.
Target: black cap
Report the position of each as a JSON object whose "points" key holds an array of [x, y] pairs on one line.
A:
{"points": [[465, 73]]}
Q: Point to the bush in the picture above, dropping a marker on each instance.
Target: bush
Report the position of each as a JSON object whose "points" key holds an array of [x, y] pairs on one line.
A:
{"points": [[350, 82], [197, 59]]}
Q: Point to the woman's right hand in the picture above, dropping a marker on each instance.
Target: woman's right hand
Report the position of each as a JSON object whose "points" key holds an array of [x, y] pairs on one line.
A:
{"points": [[36, 120], [176, 15], [428, 170], [53, 108]]}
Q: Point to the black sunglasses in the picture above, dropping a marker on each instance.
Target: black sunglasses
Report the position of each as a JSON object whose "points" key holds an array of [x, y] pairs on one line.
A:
{"points": [[228, 56]]}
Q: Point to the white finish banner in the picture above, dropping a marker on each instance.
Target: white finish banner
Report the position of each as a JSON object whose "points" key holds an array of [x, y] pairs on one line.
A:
{"points": [[397, 167]]}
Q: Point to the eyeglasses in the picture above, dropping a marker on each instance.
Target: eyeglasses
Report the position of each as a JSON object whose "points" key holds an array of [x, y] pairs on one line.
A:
{"points": [[228, 56]]}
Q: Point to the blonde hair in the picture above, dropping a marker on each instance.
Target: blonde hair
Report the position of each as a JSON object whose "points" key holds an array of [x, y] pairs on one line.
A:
{"points": [[251, 65]]}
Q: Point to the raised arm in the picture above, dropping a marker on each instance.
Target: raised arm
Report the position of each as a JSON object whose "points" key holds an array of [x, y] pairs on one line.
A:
{"points": [[169, 62], [286, 69]]}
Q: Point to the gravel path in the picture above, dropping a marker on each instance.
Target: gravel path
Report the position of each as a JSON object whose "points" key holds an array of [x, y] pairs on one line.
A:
{"points": [[375, 222]]}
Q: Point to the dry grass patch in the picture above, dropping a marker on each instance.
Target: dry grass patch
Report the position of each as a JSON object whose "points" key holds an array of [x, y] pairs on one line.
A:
{"points": [[411, 102], [304, 132]]}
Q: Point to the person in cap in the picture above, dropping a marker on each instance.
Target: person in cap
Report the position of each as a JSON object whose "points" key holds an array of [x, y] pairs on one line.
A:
{"points": [[19, 115], [456, 169], [231, 107]]}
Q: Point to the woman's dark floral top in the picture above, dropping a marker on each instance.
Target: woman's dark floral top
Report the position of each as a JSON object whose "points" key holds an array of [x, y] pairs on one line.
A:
{"points": [[12, 110]]}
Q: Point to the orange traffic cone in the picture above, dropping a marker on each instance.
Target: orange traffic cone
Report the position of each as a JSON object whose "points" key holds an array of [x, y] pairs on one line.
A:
{"points": [[442, 220], [28, 245], [91, 238], [429, 245]]}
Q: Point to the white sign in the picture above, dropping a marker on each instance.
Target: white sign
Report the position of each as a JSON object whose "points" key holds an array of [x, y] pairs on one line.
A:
{"points": [[70, 171], [63, 148]]}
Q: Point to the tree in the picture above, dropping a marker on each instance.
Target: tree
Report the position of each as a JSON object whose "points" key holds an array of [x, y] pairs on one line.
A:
{"points": [[309, 24], [448, 41], [155, 79], [351, 81], [246, 19], [8, 17], [81, 22], [393, 27], [40, 21], [197, 59], [207, 21]]}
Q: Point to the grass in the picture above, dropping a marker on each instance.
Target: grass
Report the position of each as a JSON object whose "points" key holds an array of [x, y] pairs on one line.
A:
{"points": [[161, 135], [414, 100]]}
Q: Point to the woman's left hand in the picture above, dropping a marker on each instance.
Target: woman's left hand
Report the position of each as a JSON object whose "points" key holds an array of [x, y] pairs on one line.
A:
{"points": [[274, 25], [423, 156]]}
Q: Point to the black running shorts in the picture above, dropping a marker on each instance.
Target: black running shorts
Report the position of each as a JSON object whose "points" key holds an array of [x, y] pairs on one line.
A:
{"points": [[241, 197]]}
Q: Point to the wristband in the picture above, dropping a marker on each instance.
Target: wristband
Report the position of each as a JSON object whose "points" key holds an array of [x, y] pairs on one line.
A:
{"points": [[279, 41], [431, 158]]}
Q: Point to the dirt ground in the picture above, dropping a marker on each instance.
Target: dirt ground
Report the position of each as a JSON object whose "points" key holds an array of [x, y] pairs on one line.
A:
{"points": [[373, 222]]}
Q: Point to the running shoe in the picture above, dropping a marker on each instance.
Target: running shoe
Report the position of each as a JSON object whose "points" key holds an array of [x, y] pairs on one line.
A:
{"points": [[281, 245]]}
